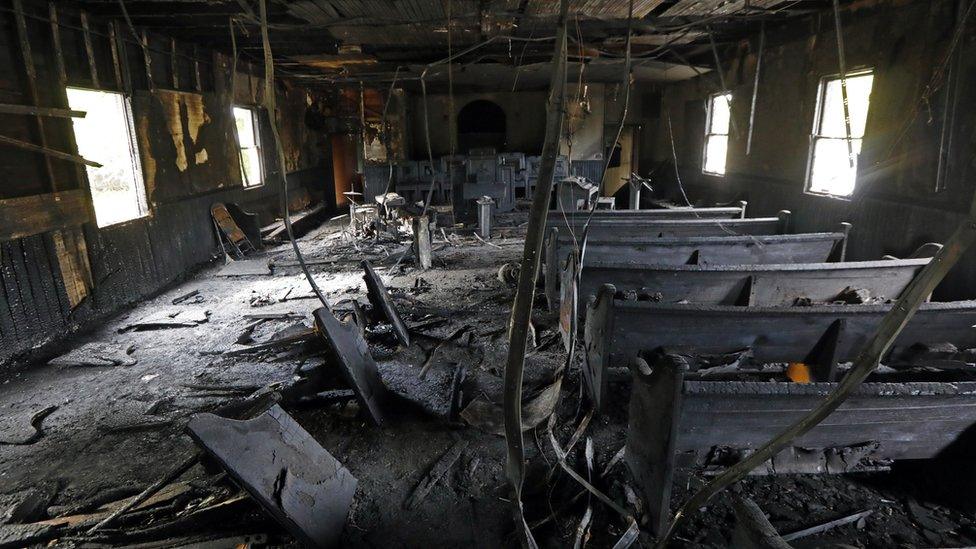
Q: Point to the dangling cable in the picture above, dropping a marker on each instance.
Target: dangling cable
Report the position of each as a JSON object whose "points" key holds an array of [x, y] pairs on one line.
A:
{"points": [[269, 102]]}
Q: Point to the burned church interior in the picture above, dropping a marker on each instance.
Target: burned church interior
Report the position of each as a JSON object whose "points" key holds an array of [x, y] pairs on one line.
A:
{"points": [[487, 273]]}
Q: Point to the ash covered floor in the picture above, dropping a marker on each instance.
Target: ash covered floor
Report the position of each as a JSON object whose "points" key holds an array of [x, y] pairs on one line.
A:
{"points": [[115, 409]]}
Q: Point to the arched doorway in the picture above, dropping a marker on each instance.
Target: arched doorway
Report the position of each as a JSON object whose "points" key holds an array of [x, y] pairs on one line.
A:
{"points": [[481, 123]]}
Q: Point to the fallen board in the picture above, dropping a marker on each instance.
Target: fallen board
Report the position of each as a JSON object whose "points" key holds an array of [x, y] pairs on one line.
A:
{"points": [[703, 251], [347, 346], [284, 469], [675, 423], [763, 285], [616, 331], [379, 298]]}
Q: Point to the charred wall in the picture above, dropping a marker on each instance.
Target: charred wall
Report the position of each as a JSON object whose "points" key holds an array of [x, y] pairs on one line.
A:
{"points": [[896, 206], [59, 272]]}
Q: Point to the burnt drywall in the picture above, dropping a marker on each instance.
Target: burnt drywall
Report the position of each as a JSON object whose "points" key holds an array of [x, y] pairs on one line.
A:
{"points": [[189, 161], [895, 207]]}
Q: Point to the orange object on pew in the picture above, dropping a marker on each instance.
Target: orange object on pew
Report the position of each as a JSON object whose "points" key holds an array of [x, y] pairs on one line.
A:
{"points": [[798, 372]]}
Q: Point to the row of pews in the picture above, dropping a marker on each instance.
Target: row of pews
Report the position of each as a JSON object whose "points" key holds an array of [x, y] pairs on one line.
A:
{"points": [[727, 329]]}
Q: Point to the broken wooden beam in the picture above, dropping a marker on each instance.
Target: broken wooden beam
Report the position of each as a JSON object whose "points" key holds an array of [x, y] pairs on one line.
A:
{"points": [[6, 108], [48, 151]]}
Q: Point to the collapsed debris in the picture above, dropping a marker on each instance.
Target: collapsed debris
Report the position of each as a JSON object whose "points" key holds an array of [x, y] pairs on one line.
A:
{"points": [[282, 467]]}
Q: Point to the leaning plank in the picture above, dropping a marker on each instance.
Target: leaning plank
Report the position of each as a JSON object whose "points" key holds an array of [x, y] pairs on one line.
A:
{"points": [[617, 331], [6, 108], [29, 215], [382, 304], [48, 151], [284, 469], [349, 349]]}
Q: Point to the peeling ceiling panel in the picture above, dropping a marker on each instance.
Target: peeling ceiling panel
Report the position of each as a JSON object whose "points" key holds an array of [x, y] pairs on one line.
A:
{"points": [[593, 8], [717, 7]]}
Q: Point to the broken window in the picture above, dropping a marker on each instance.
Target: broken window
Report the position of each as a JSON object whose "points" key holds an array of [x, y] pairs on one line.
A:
{"points": [[717, 133], [833, 164], [249, 141], [105, 135]]}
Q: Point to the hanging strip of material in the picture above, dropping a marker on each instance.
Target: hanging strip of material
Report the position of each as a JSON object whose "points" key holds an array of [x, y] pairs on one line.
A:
{"points": [[755, 86], [842, 62], [269, 103], [525, 294]]}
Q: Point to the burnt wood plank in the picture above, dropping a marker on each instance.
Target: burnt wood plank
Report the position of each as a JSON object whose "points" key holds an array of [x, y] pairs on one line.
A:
{"points": [[909, 420], [380, 299], [42, 283], [15, 305], [284, 469], [652, 434], [349, 349], [22, 286], [30, 215]]}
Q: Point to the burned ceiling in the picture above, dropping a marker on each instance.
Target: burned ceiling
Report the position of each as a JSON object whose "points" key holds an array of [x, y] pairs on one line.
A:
{"points": [[336, 41]]}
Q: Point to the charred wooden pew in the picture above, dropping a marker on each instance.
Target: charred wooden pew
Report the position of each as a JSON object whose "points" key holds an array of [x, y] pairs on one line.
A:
{"points": [[680, 423], [820, 335], [643, 227], [746, 285], [762, 285], [697, 250], [557, 218]]}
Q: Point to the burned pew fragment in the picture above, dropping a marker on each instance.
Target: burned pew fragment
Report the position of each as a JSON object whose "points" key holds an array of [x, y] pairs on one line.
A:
{"points": [[284, 469], [677, 422], [349, 349], [617, 330], [379, 297]]}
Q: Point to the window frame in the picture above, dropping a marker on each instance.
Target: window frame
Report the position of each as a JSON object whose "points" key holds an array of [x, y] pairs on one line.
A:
{"points": [[709, 108], [256, 127], [815, 131], [135, 157]]}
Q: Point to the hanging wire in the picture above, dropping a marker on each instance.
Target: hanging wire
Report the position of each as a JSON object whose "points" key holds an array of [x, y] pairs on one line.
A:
{"points": [[269, 101]]}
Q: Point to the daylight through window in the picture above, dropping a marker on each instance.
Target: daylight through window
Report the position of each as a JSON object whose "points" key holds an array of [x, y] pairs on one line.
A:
{"points": [[833, 165], [249, 140], [105, 136], [717, 133]]}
